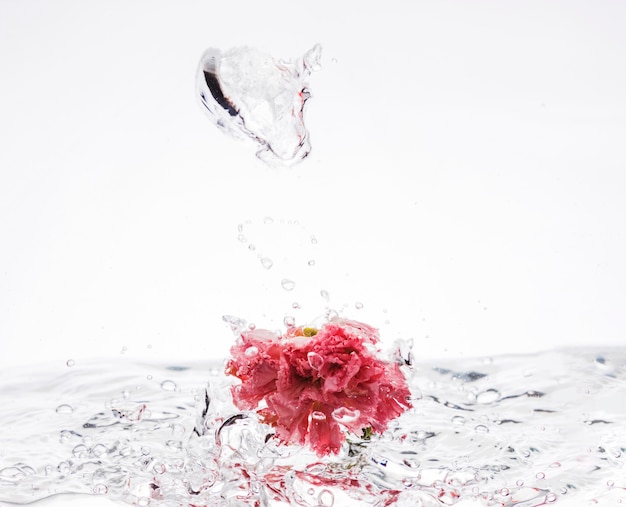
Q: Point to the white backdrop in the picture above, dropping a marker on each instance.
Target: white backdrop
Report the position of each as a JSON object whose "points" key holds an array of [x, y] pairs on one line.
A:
{"points": [[466, 183]]}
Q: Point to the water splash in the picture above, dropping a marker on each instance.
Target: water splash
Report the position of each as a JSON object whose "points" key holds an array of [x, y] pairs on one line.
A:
{"points": [[514, 431], [249, 94]]}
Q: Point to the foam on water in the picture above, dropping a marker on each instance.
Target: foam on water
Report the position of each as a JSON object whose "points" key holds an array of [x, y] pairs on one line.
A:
{"points": [[521, 431]]}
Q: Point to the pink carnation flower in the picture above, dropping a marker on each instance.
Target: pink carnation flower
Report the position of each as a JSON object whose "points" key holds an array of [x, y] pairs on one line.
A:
{"points": [[309, 384]]}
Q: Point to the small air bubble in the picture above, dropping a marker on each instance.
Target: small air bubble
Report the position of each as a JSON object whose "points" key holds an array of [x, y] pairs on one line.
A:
{"points": [[80, 451], [488, 396], [316, 415], [251, 247], [242, 238], [315, 360], [168, 385], [63, 467], [481, 428], [64, 409], [358, 305], [289, 321], [311, 262], [149, 377], [266, 262], [287, 284], [344, 415], [325, 295], [268, 220], [326, 498], [144, 501], [295, 305], [458, 419], [550, 497], [540, 475], [251, 351], [519, 483], [100, 489], [99, 450], [313, 240], [70, 363]]}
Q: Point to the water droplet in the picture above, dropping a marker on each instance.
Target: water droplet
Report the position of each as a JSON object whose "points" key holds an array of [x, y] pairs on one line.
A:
{"points": [[242, 238], [325, 295], [268, 220], [315, 360], [519, 482], [64, 409], [100, 489], [124, 349], [504, 492], [550, 497], [252, 326], [344, 415], [251, 351], [239, 227], [311, 262], [488, 396], [358, 305], [295, 305], [126, 394], [314, 240], [540, 475], [481, 428], [289, 321], [610, 483], [266, 262], [149, 377], [144, 501], [70, 363], [287, 284], [168, 385]]}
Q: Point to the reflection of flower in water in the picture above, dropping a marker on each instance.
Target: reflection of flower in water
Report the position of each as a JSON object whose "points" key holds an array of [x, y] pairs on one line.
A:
{"points": [[309, 384]]}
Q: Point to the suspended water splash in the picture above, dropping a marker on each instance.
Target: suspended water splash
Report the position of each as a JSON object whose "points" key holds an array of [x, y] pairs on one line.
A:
{"points": [[248, 93]]}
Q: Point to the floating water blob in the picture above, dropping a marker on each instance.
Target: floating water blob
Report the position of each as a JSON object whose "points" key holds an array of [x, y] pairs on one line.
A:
{"points": [[249, 94]]}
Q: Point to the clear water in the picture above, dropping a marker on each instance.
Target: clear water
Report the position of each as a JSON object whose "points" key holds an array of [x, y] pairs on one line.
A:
{"points": [[249, 94], [527, 430]]}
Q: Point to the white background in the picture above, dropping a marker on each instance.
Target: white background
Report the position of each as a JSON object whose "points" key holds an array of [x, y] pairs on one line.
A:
{"points": [[466, 182]]}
